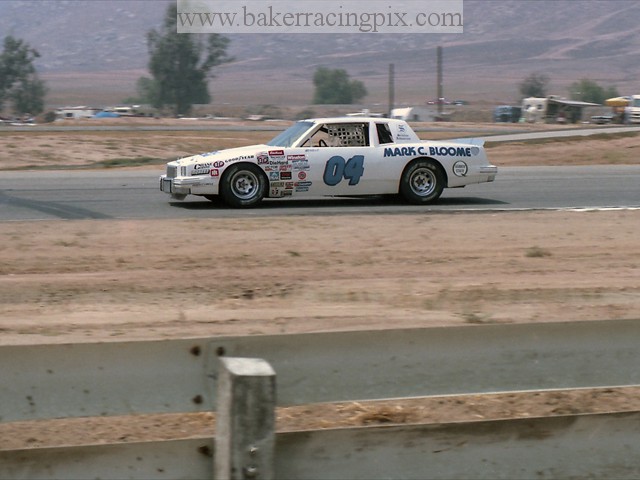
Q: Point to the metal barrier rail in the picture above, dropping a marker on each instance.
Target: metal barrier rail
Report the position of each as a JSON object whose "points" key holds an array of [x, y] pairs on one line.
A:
{"points": [[58, 381], [573, 446]]}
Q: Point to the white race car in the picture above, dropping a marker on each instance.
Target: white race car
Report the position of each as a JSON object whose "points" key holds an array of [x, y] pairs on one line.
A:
{"points": [[346, 156]]}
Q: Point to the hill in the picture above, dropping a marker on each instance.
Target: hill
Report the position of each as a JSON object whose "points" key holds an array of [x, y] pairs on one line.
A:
{"points": [[95, 49]]}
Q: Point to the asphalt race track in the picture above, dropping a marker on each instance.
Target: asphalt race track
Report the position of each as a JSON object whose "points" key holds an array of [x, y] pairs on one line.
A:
{"points": [[52, 195]]}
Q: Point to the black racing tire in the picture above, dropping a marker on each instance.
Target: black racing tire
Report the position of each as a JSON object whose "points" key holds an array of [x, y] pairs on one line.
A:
{"points": [[243, 185], [422, 182]]}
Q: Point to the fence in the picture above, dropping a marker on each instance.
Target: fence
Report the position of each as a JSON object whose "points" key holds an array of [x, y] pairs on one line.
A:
{"points": [[56, 381]]}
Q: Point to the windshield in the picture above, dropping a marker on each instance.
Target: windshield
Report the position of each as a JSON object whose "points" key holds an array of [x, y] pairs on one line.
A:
{"points": [[290, 135]]}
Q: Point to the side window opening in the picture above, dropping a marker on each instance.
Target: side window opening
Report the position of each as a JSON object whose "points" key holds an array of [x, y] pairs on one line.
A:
{"points": [[341, 135], [384, 133]]}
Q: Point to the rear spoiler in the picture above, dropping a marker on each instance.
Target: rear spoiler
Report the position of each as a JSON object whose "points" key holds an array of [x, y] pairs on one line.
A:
{"points": [[479, 142]]}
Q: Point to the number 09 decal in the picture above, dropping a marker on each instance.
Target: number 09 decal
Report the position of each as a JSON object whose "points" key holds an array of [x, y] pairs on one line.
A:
{"points": [[337, 168]]}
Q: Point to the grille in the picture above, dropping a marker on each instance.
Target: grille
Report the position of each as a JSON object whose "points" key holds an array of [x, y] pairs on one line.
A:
{"points": [[172, 172]]}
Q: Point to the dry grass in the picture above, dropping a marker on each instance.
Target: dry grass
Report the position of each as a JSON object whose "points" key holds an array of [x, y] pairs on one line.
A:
{"points": [[135, 148], [100, 149]]}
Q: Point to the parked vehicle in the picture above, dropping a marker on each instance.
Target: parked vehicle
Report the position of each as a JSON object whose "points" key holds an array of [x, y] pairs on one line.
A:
{"points": [[553, 109], [507, 114], [633, 110]]}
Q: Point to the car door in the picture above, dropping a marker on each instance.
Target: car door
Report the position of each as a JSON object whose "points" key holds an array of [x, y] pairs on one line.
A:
{"points": [[337, 159]]}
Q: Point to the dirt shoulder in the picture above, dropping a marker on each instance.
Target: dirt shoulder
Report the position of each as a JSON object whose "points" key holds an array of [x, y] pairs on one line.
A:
{"points": [[97, 280]]}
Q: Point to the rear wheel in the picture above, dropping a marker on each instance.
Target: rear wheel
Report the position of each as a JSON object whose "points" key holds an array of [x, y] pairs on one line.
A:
{"points": [[243, 185], [422, 182]]}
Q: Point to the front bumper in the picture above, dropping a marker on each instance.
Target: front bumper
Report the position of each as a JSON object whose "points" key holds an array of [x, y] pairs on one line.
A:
{"points": [[172, 187], [180, 187]]}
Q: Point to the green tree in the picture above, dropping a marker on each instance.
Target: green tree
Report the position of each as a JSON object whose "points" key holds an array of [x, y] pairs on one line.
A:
{"points": [[589, 91], [180, 66], [335, 87], [146, 92], [19, 81], [28, 96], [535, 85]]}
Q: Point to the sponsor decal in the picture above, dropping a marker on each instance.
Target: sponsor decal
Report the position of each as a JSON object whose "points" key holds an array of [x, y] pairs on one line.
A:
{"points": [[285, 176], [274, 176], [218, 164], [210, 153], [215, 172], [200, 166], [277, 184], [296, 158], [239, 158], [301, 165], [302, 189], [303, 184], [280, 192], [302, 175], [200, 171], [285, 168], [262, 158], [276, 153], [274, 161], [402, 133], [433, 151], [460, 168]]}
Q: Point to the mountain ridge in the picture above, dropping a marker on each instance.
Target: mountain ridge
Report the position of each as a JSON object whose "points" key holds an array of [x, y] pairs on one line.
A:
{"points": [[504, 41]]}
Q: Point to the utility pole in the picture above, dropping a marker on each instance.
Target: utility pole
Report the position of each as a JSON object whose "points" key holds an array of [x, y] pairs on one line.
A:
{"points": [[392, 87], [440, 90]]}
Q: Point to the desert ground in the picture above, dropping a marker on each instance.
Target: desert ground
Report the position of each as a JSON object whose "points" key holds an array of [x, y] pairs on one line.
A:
{"points": [[116, 280]]}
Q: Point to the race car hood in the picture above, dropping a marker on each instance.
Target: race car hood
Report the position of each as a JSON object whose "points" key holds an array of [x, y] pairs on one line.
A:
{"points": [[228, 155]]}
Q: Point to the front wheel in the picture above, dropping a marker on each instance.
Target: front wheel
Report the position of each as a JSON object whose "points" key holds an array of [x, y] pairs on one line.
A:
{"points": [[422, 182], [243, 186]]}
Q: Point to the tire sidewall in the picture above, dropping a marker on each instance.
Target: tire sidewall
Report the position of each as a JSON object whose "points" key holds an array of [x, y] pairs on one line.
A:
{"points": [[227, 191], [405, 183]]}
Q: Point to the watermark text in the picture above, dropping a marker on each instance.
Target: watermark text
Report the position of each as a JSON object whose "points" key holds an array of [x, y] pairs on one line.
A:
{"points": [[327, 16]]}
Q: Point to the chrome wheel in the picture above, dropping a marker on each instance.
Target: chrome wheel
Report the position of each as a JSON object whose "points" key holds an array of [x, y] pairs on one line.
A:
{"points": [[245, 185], [423, 182]]}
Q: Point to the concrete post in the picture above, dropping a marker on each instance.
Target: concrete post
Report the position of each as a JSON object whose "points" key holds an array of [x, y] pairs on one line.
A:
{"points": [[245, 420]]}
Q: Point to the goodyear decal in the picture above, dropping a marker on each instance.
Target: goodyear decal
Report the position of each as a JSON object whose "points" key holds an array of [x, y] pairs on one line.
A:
{"points": [[433, 151]]}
